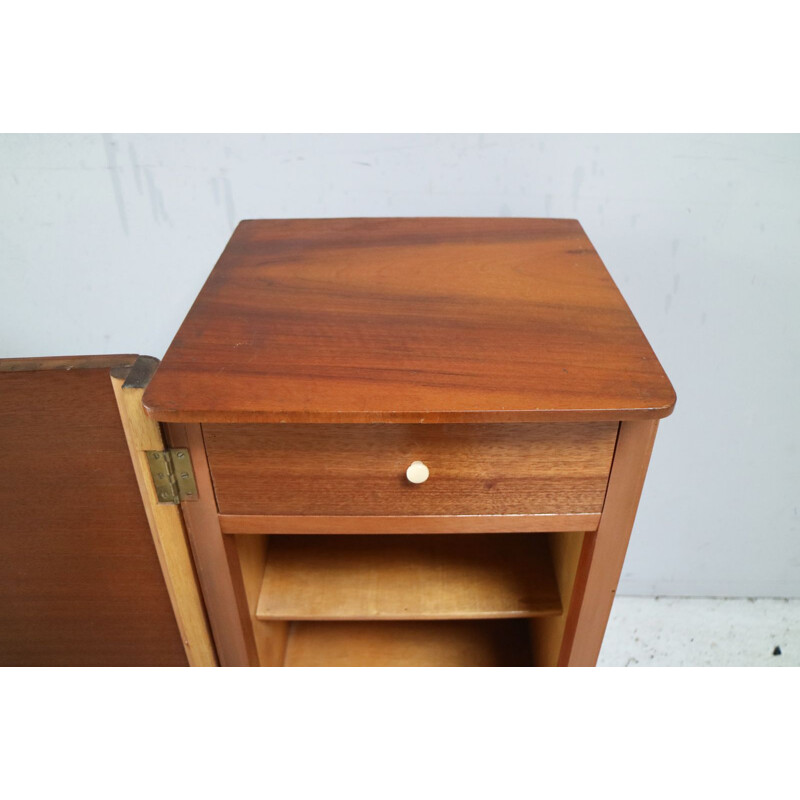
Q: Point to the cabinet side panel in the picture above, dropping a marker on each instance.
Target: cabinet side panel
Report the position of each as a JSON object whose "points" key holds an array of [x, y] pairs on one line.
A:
{"points": [[586, 624], [216, 559]]}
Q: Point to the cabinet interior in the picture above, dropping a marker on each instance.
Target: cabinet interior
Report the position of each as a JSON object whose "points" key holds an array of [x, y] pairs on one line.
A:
{"points": [[407, 600]]}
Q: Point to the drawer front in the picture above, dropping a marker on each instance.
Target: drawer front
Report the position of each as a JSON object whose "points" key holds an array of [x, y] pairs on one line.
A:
{"points": [[486, 469]]}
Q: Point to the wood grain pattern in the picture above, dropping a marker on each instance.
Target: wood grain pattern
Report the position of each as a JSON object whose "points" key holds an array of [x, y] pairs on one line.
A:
{"points": [[80, 581], [475, 643], [409, 320], [216, 559], [166, 527], [603, 554], [360, 469], [402, 577], [418, 524]]}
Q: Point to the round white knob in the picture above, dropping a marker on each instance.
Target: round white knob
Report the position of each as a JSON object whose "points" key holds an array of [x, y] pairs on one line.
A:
{"points": [[417, 472]]}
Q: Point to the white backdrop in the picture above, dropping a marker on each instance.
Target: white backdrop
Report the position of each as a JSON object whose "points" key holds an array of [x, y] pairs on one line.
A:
{"points": [[106, 240]]}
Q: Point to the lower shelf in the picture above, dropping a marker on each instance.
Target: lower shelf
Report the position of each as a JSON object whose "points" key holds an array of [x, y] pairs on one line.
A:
{"points": [[470, 643], [453, 576]]}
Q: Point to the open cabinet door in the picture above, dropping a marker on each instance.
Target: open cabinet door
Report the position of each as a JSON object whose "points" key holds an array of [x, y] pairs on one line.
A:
{"points": [[80, 579]]}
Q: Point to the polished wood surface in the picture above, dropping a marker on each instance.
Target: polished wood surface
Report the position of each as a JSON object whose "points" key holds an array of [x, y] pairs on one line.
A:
{"points": [[409, 320], [166, 522], [361, 469], [475, 643], [80, 581], [418, 524], [603, 554], [408, 577]]}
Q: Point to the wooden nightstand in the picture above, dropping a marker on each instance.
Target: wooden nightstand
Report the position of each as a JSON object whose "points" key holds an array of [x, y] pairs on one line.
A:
{"points": [[324, 358]]}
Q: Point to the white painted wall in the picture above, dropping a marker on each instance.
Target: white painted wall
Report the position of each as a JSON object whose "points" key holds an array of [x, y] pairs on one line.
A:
{"points": [[105, 241]]}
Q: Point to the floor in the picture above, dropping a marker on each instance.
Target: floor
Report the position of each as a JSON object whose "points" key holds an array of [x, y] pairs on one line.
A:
{"points": [[702, 632]]}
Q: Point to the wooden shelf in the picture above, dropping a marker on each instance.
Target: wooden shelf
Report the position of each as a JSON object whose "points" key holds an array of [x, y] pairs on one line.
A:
{"points": [[474, 643], [408, 577]]}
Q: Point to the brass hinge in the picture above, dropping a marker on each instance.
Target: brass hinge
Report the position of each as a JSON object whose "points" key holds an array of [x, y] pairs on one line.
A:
{"points": [[172, 475]]}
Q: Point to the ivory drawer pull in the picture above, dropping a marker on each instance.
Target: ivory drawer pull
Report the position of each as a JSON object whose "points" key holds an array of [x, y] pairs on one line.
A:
{"points": [[417, 472]]}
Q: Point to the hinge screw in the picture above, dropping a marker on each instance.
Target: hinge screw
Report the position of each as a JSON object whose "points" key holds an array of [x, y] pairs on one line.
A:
{"points": [[179, 455]]}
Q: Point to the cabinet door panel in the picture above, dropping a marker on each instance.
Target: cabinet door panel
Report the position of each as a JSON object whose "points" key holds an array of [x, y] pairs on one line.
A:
{"points": [[80, 582]]}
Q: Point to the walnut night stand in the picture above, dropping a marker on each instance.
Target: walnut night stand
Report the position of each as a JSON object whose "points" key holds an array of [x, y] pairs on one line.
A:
{"points": [[415, 441]]}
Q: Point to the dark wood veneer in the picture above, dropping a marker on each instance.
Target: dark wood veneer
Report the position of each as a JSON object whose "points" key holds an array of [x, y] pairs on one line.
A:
{"points": [[409, 320], [80, 582], [360, 469]]}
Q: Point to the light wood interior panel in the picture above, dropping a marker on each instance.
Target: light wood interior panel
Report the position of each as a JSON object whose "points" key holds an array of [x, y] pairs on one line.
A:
{"points": [[270, 636], [547, 634], [472, 643], [165, 520], [408, 577]]}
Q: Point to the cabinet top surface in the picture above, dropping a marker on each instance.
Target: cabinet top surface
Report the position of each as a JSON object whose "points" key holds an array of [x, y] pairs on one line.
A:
{"points": [[409, 320]]}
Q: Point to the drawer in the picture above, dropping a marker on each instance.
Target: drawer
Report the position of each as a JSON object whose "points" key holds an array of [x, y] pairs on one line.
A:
{"points": [[360, 470]]}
